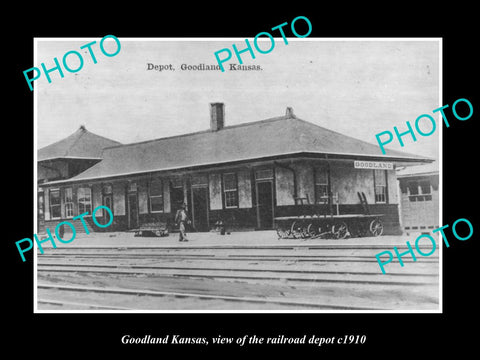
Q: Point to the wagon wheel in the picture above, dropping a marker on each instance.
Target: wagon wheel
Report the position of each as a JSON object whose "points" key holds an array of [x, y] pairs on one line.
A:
{"points": [[298, 231], [376, 227], [314, 230], [340, 230]]}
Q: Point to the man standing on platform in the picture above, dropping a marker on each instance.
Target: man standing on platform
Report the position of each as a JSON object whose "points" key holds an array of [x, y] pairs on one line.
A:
{"points": [[181, 218]]}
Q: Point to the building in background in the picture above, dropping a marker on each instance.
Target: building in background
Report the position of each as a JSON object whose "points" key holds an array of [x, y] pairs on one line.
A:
{"points": [[419, 197], [245, 175]]}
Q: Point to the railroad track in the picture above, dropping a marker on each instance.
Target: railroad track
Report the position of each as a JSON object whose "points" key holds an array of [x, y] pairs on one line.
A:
{"points": [[311, 253], [183, 295], [80, 305], [271, 258], [213, 272], [225, 270]]}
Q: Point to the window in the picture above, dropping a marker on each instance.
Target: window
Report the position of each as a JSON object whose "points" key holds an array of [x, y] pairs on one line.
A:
{"points": [[107, 189], [321, 185], [156, 196], [419, 191], [380, 181], [413, 188], [199, 180], [40, 205], [55, 212], [265, 174], [68, 201], [230, 190], [132, 187], [176, 182], [426, 190], [84, 195]]}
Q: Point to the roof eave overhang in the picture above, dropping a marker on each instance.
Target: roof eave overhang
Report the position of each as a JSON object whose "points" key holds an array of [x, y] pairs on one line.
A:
{"points": [[302, 154], [70, 158], [430, 173]]}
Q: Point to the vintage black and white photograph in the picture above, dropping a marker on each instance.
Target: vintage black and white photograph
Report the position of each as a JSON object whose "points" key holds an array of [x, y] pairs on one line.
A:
{"points": [[165, 184]]}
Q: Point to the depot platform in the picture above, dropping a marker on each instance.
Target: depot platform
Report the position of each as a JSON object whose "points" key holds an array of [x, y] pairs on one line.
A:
{"points": [[211, 239]]}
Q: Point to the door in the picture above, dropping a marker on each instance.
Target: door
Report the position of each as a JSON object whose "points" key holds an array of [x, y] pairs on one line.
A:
{"points": [[40, 214], [108, 202], [200, 208], [265, 204], [132, 211], [176, 198]]}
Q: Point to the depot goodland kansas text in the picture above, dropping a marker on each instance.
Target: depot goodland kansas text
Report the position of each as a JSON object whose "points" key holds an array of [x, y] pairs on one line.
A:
{"points": [[201, 67]]}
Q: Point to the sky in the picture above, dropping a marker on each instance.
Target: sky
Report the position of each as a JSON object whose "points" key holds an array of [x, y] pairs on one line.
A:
{"points": [[355, 87]]}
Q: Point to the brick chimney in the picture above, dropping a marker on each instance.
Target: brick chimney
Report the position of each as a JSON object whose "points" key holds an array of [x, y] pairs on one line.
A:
{"points": [[289, 112], [217, 116]]}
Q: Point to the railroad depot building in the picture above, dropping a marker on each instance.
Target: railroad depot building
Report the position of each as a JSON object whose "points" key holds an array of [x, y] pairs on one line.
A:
{"points": [[245, 175]]}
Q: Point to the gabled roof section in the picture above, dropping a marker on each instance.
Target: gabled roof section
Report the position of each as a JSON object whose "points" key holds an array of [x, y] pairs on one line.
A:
{"points": [[280, 136], [81, 144]]}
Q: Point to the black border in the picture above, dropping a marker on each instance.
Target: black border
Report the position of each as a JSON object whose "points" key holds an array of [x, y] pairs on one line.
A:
{"points": [[93, 334]]}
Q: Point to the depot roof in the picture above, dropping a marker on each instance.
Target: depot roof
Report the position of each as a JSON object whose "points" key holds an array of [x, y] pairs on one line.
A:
{"points": [[82, 144], [271, 138], [419, 170]]}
